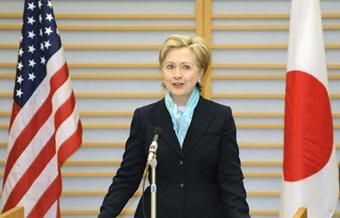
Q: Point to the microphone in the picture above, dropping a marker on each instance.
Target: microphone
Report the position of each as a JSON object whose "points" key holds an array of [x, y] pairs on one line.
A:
{"points": [[154, 144]]}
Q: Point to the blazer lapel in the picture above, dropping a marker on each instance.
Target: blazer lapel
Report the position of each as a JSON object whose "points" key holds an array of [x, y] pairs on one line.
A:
{"points": [[162, 119], [201, 120]]}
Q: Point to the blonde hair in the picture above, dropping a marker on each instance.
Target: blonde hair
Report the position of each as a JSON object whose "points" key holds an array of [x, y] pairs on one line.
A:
{"points": [[196, 43]]}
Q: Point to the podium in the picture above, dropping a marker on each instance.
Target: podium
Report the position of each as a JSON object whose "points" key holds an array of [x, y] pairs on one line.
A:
{"points": [[17, 212]]}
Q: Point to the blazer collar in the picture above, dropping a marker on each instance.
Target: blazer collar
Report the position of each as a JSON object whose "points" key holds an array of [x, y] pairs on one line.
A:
{"points": [[202, 117], [161, 118]]}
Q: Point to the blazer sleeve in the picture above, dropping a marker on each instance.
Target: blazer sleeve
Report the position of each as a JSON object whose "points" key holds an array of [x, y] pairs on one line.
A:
{"points": [[129, 174], [230, 175]]}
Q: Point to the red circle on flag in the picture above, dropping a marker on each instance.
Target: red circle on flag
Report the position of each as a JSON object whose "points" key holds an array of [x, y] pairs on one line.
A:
{"points": [[308, 131]]}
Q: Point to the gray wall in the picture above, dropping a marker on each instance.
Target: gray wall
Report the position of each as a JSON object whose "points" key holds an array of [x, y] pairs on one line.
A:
{"points": [[260, 148]]}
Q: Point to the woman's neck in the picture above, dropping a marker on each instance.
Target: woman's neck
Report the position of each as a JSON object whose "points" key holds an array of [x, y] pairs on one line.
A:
{"points": [[180, 101]]}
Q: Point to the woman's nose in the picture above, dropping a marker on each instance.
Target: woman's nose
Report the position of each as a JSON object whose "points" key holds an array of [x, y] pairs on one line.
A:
{"points": [[177, 73]]}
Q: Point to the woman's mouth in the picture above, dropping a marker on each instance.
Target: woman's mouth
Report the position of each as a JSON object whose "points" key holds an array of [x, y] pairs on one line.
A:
{"points": [[177, 84]]}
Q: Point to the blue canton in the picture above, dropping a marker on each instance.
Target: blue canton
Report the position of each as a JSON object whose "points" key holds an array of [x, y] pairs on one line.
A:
{"points": [[39, 41]]}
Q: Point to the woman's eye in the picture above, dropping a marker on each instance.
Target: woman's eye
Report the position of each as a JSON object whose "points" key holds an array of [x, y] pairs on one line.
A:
{"points": [[169, 67], [186, 67]]}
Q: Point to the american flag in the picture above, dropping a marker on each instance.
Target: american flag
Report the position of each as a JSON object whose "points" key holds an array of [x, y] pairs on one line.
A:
{"points": [[45, 128]]}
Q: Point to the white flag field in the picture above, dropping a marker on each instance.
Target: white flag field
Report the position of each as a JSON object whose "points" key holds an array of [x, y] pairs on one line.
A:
{"points": [[310, 170]]}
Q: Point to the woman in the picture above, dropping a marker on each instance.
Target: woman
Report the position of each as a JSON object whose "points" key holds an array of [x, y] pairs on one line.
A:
{"points": [[198, 171]]}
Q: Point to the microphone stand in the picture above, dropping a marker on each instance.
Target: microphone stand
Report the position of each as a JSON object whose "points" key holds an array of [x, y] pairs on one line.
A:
{"points": [[153, 186], [152, 162]]}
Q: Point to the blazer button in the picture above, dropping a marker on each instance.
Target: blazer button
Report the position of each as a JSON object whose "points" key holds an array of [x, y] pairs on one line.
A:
{"points": [[181, 162], [181, 185]]}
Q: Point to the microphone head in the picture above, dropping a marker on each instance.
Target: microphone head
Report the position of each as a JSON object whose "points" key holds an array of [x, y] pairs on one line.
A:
{"points": [[157, 131]]}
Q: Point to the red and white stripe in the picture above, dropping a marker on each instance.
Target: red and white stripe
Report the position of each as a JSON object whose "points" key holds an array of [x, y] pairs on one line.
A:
{"points": [[43, 134], [310, 166]]}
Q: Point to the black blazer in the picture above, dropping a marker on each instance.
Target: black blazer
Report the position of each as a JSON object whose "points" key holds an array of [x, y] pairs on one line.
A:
{"points": [[201, 180]]}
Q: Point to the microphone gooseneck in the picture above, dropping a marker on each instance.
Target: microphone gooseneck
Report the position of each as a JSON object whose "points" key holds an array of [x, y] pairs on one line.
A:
{"points": [[154, 144]]}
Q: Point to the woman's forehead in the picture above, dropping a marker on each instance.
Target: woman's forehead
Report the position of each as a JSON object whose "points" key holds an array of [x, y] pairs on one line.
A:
{"points": [[180, 55]]}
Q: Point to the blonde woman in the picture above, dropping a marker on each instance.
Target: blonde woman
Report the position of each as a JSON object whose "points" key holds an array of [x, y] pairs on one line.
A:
{"points": [[198, 172]]}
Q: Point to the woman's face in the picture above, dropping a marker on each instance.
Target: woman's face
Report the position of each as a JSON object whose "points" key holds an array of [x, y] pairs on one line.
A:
{"points": [[180, 73]]}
